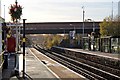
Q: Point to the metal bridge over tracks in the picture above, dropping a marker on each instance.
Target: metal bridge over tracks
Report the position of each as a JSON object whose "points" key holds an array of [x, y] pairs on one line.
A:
{"points": [[60, 27]]}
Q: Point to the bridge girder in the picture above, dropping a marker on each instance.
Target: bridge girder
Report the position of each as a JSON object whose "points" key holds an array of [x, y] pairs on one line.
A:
{"points": [[60, 27]]}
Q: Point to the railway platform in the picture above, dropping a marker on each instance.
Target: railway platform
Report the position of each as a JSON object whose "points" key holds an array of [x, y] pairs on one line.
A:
{"points": [[62, 72], [40, 67], [97, 53], [8, 71], [102, 54], [102, 64]]}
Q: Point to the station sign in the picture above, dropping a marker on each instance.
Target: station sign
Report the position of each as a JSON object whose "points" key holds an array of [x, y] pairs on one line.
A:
{"points": [[72, 34]]}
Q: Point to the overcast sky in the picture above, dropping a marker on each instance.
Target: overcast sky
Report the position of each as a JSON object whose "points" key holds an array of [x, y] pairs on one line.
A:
{"points": [[62, 10]]}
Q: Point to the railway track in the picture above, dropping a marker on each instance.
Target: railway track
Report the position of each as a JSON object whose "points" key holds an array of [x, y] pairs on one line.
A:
{"points": [[87, 70], [112, 70]]}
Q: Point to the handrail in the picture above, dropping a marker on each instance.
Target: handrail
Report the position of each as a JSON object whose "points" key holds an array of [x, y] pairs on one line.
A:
{"points": [[2, 53], [0, 59]]}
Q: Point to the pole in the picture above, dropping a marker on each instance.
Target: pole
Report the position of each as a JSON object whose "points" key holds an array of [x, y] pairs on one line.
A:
{"points": [[16, 36], [19, 39], [4, 13], [3, 31], [112, 11], [83, 20], [24, 48], [83, 28], [16, 2], [93, 26], [16, 56]]}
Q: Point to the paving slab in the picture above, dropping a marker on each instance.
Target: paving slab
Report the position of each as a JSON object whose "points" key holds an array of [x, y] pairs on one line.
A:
{"points": [[36, 69], [62, 72], [8, 71]]}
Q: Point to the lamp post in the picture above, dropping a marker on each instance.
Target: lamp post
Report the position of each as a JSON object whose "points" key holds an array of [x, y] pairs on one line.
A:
{"points": [[83, 27], [15, 12], [93, 24], [16, 2], [83, 20], [24, 48], [4, 13], [89, 42], [16, 55], [92, 35]]}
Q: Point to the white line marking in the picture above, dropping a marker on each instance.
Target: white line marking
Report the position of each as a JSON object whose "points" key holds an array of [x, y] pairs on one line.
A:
{"points": [[62, 65], [46, 66]]}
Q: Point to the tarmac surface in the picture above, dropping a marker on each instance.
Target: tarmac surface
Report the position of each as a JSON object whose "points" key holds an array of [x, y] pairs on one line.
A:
{"points": [[41, 67], [8, 71], [36, 69], [61, 71]]}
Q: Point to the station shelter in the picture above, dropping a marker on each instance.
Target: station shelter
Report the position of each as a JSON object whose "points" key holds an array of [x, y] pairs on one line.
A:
{"points": [[108, 44]]}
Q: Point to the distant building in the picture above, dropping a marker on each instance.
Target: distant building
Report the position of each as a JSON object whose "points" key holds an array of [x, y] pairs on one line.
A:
{"points": [[119, 8]]}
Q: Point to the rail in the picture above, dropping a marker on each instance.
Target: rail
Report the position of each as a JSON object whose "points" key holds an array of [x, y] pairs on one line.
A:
{"points": [[85, 69]]}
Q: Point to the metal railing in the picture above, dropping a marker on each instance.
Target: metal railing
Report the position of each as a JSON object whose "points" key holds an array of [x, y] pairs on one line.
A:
{"points": [[1, 59]]}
